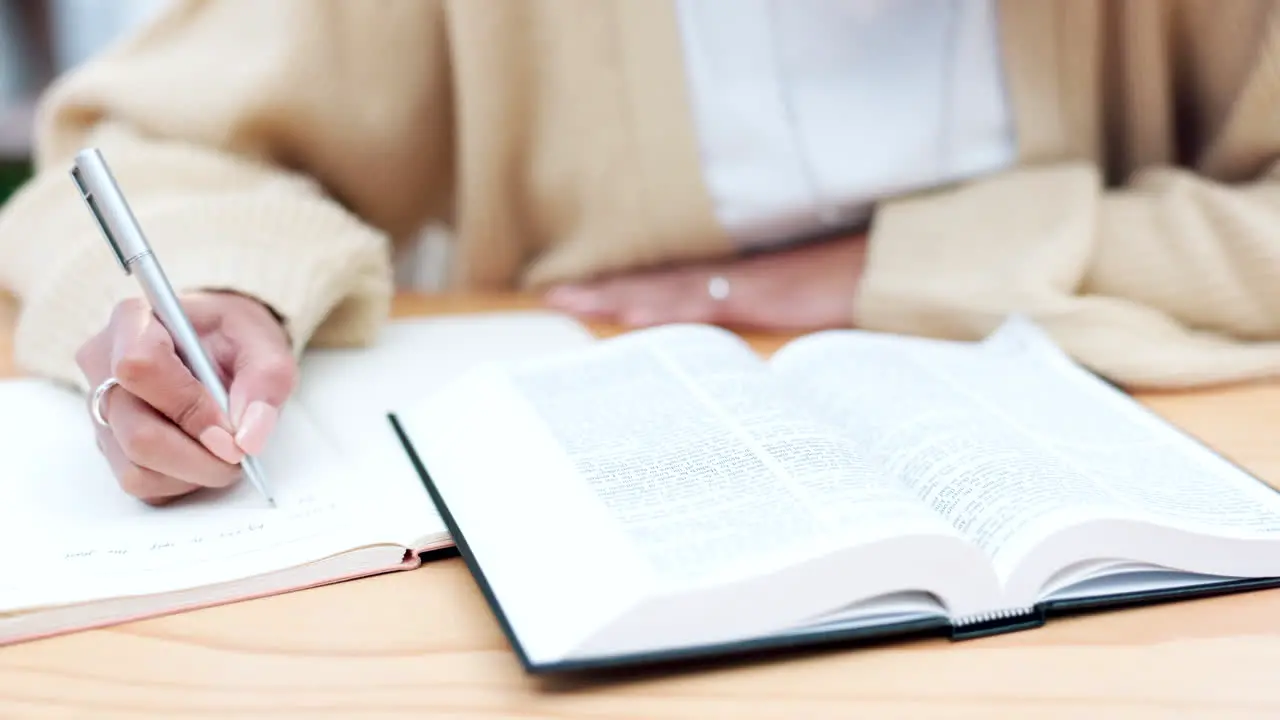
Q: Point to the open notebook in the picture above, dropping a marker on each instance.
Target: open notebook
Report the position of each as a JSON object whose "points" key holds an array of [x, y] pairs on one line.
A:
{"points": [[704, 501], [76, 552]]}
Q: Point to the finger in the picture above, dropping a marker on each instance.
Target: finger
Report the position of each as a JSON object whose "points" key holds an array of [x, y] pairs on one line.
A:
{"points": [[263, 376], [654, 298], [147, 485], [150, 441], [673, 298], [145, 362], [150, 486], [597, 300], [93, 358]]}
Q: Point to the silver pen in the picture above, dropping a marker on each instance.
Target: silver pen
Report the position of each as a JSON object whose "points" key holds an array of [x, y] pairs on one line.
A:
{"points": [[102, 195]]}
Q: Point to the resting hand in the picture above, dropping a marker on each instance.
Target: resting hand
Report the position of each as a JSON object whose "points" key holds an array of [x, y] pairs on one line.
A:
{"points": [[796, 290], [165, 435]]}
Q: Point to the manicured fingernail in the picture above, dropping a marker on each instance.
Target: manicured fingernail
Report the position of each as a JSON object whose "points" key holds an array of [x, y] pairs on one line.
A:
{"points": [[219, 442], [256, 425]]}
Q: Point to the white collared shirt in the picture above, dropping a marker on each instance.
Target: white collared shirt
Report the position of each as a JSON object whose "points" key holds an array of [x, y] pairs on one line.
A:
{"points": [[810, 111]]}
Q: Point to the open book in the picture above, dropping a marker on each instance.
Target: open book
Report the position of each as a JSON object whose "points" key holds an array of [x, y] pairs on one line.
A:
{"points": [[704, 501], [77, 552]]}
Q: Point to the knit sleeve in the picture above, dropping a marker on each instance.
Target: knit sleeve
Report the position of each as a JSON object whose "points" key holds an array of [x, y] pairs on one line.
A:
{"points": [[1170, 281], [273, 149]]}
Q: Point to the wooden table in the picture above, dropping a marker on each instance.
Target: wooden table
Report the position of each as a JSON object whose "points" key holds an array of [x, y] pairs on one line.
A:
{"points": [[423, 644]]}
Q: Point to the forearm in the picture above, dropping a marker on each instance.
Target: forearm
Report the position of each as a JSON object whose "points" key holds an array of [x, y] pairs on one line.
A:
{"points": [[258, 174], [216, 223], [1106, 273], [1206, 254]]}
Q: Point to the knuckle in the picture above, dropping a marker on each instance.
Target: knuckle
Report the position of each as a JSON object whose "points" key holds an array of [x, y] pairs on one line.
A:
{"points": [[280, 372], [136, 365], [222, 477], [141, 441], [193, 408], [137, 482], [128, 306]]}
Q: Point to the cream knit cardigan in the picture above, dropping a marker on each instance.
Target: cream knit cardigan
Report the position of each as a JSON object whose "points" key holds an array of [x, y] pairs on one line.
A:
{"points": [[283, 148]]}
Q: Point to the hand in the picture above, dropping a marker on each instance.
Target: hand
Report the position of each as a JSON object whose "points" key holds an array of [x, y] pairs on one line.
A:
{"points": [[797, 290], [166, 437]]}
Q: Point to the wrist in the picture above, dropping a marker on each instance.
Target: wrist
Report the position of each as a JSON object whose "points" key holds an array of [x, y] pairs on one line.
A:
{"points": [[257, 304]]}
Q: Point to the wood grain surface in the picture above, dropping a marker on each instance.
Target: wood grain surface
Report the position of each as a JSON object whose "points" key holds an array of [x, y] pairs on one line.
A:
{"points": [[423, 645]]}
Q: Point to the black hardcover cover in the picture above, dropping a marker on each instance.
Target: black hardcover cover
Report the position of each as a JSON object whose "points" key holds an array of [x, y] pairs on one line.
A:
{"points": [[819, 637]]}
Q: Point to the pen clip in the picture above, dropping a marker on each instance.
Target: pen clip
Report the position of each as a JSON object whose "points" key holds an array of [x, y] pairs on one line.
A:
{"points": [[87, 196]]}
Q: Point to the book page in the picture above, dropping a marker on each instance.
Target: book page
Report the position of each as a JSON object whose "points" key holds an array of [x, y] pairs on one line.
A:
{"points": [[1011, 442], [1155, 470], [706, 460], [660, 462]]}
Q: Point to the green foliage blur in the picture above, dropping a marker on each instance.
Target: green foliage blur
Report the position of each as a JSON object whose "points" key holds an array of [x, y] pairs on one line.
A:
{"points": [[12, 175]]}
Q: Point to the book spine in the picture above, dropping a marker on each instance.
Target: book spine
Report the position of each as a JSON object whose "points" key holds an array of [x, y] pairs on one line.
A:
{"points": [[996, 622]]}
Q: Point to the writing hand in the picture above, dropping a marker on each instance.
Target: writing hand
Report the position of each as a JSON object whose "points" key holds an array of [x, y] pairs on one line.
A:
{"points": [[796, 290], [165, 435]]}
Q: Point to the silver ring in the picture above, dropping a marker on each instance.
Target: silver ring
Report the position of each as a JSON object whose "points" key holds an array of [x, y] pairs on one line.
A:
{"points": [[99, 394], [718, 288]]}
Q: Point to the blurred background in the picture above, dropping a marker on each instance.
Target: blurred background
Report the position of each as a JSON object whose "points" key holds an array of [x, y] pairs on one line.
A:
{"points": [[38, 40]]}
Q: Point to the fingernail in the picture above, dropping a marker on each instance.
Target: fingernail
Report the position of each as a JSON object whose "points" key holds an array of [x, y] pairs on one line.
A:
{"points": [[256, 425], [641, 318], [576, 298], [219, 442]]}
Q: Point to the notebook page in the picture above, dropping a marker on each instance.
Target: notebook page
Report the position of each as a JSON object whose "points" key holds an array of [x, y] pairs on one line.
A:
{"points": [[354, 390], [68, 523], [339, 476]]}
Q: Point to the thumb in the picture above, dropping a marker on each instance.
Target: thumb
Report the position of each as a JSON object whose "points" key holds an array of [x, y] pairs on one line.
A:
{"points": [[264, 376]]}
